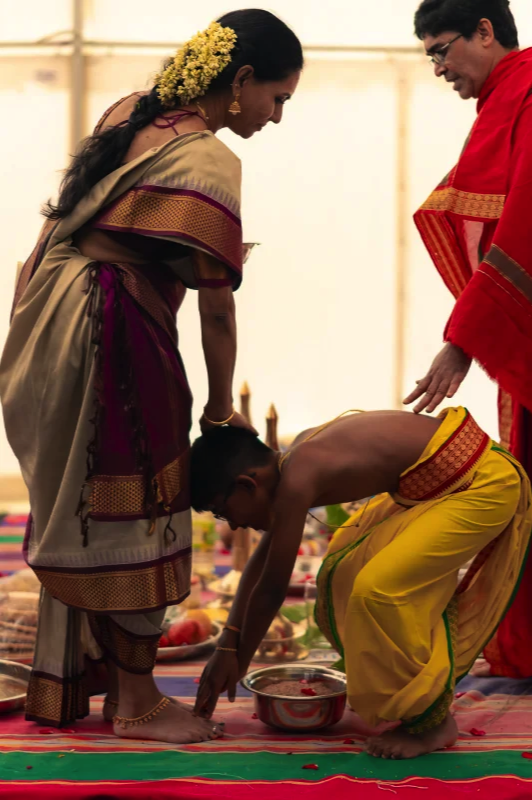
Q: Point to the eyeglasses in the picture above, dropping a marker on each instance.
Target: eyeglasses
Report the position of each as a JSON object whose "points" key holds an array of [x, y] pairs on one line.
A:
{"points": [[218, 512], [438, 56]]}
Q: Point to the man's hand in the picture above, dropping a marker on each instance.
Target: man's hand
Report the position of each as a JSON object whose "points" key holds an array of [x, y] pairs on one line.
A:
{"points": [[443, 379], [220, 674]]}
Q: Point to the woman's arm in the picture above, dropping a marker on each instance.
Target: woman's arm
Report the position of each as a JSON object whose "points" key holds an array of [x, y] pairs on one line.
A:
{"points": [[218, 334]]}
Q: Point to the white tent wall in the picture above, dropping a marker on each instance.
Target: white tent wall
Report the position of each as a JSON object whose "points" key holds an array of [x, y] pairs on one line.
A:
{"points": [[321, 322], [335, 22]]}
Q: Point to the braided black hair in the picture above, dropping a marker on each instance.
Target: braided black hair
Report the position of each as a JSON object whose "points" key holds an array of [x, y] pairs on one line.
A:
{"points": [[100, 154], [263, 41]]}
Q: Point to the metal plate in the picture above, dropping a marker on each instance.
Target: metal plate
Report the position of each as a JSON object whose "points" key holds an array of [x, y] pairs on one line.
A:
{"points": [[304, 565], [191, 650], [20, 675], [292, 649]]}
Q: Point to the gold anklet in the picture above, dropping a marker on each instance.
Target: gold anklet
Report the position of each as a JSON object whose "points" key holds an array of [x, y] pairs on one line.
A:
{"points": [[127, 722]]}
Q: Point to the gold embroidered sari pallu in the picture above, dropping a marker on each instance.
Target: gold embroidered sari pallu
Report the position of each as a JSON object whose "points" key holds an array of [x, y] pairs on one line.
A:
{"points": [[387, 590], [97, 409]]}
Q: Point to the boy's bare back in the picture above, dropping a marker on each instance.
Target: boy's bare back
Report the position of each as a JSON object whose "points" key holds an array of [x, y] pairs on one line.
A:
{"points": [[359, 455]]}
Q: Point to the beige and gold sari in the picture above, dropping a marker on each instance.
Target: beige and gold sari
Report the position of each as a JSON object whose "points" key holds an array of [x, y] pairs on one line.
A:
{"points": [[97, 410]]}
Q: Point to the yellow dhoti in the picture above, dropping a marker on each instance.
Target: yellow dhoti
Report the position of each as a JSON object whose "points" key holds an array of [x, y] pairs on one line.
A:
{"points": [[388, 594]]}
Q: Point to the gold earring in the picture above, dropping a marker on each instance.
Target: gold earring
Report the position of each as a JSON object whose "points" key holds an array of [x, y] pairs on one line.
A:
{"points": [[234, 108]]}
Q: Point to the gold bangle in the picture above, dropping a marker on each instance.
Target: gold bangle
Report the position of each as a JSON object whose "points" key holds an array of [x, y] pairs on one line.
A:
{"points": [[228, 649], [232, 628], [223, 422]]}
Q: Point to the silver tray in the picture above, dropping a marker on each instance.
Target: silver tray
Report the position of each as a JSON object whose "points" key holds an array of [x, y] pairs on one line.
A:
{"points": [[295, 650], [190, 650], [20, 673]]}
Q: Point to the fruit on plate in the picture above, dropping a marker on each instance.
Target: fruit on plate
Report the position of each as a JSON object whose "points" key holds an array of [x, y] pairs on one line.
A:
{"points": [[229, 583], [217, 613], [203, 620], [185, 631], [281, 628]]}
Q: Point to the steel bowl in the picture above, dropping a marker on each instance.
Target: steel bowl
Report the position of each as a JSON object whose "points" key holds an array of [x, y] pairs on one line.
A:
{"points": [[19, 673], [299, 714]]}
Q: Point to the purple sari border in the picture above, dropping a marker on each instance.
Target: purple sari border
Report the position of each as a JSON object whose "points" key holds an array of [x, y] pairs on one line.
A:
{"points": [[178, 554], [192, 239], [135, 611]]}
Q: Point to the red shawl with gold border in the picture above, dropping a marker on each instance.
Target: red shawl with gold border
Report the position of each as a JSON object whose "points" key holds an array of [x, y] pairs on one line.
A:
{"points": [[477, 230]]}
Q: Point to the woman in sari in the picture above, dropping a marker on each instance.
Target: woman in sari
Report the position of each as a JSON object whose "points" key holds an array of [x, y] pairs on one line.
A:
{"points": [[96, 402]]}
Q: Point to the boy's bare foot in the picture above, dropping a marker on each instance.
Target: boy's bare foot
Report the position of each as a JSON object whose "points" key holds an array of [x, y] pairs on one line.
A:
{"points": [[480, 669], [174, 724], [399, 743]]}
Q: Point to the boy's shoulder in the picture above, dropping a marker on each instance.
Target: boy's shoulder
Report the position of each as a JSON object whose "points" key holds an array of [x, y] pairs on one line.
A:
{"points": [[298, 468]]}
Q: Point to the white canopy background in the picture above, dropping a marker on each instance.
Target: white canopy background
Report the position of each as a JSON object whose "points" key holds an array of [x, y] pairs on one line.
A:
{"points": [[340, 307]]}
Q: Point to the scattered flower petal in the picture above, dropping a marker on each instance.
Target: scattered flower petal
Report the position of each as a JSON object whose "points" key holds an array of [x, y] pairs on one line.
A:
{"points": [[476, 732], [310, 766]]}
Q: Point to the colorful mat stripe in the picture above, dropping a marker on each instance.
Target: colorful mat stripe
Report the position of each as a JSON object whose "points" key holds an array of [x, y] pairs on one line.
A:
{"points": [[491, 759], [340, 787]]}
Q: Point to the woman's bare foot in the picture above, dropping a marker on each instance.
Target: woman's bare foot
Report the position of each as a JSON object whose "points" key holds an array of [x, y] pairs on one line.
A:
{"points": [[399, 743], [110, 707], [173, 724], [139, 695]]}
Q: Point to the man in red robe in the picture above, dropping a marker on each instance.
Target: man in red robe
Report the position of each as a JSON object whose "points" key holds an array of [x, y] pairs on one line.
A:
{"points": [[477, 227]]}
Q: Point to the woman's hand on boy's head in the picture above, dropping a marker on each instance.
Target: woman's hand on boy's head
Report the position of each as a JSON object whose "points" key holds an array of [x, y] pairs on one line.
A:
{"points": [[237, 421]]}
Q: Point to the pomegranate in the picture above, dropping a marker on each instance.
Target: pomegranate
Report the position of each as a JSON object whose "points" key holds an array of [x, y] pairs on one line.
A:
{"points": [[184, 631]]}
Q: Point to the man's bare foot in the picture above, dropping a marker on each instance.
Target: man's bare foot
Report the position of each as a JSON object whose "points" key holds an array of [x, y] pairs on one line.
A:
{"points": [[399, 743], [480, 669], [174, 724]]}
